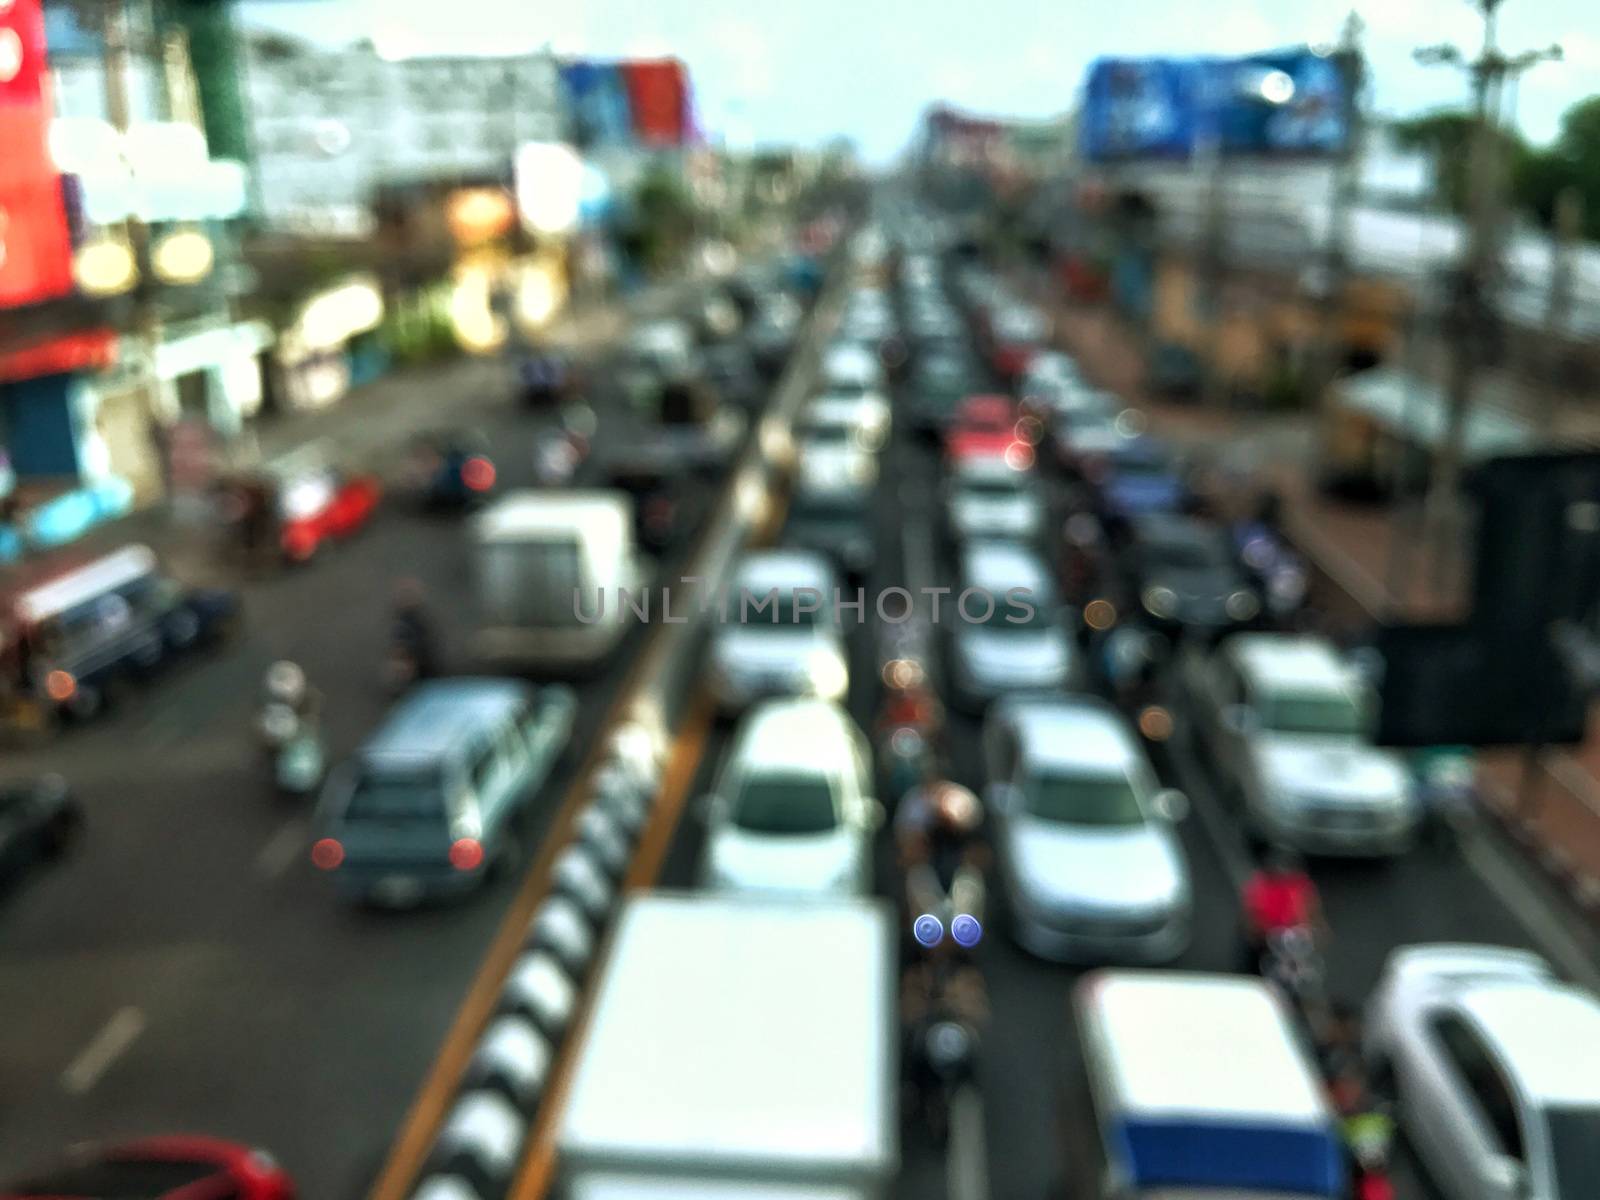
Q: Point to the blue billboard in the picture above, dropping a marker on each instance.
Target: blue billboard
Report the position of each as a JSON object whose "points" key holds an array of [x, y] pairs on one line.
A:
{"points": [[1290, 103]]}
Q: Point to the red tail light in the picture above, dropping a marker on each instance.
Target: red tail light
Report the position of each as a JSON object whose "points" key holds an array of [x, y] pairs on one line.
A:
{"points": [[298, 542], [478, 473], [466, 854], [327, 853]]}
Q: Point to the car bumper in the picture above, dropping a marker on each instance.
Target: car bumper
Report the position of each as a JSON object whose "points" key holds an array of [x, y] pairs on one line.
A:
{"points": [[1060, 940], [1369, 839], [402, 886]]}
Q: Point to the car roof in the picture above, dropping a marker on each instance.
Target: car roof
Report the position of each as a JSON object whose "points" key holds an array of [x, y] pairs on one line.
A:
{"points": [[1079, 732], [1205, 1044], [787, 568], [114, 570], [788, 734], [435, 718], [998, 565], [535, 513], [1547, 1033], [1309, 662]]}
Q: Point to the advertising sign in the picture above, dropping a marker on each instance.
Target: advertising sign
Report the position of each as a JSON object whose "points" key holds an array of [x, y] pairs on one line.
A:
{"points": [[1290, 103], [35, 248]]}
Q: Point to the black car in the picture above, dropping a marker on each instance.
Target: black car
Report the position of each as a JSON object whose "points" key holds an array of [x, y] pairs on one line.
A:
{"points": [[837, 522], [939, 383], [450, 470], [1186, 577], [39, 820]]}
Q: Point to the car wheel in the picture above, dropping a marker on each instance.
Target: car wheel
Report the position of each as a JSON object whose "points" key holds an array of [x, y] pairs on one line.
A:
{"points": [[183, 627]]}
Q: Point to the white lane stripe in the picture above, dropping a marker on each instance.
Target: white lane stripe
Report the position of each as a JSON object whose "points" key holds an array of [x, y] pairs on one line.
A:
{"points": [[104, 1048], [282, 848], [1546, 927]]}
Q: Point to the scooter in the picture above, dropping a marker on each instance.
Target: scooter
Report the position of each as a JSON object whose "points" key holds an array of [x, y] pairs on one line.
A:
{"points": [[945, 1060], [1293, 962]]}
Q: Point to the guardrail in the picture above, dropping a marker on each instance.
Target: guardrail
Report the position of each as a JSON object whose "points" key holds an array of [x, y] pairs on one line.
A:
{"points": [[473, 1146]]}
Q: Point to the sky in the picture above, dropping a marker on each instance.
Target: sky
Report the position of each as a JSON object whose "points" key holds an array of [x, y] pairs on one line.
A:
{"points": [[797, 72]]}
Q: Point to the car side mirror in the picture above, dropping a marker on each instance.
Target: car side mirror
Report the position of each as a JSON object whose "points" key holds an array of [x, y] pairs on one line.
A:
{"points": [[1001, 798], [1505, 1176], [1171, 805], [1240, 719]]}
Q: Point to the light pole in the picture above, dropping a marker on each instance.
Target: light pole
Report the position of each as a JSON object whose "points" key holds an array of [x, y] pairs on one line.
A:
{"points": [[1469, 307]]}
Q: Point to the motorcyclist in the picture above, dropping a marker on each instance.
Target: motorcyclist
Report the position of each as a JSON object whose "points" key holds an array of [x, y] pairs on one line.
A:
{"points": [[415, 639], [1130, 657], [1084, 547], [1368, 1135], [936, 832], [944, 1012], [1278, 897], [288, 703]]}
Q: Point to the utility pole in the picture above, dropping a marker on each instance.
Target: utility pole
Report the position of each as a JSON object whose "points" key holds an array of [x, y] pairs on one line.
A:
{"points": [[1345, 193], [1563, 240], [1469, 305], [1213, 239]]}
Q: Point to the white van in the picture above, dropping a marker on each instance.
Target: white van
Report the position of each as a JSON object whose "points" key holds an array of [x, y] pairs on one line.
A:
{"points": [[1203, 1090], [550, 568]]}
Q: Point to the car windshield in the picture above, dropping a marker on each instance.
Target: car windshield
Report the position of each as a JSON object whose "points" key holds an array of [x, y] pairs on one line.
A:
{"points": [[1313, 712], [768, 606], [780, 804], [391, 797], [1023, 612], [999, 488], [1103, 800], [1574, 1150], [1187, 554]]}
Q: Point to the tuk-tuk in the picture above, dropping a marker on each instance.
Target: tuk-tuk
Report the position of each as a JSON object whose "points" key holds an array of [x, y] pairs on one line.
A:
{"points": [[68, 636], [293, 505]]}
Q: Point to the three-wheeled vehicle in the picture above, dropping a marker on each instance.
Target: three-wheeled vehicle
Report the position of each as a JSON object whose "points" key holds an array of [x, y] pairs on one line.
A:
{"points": [[69, 636], [291, 506]]}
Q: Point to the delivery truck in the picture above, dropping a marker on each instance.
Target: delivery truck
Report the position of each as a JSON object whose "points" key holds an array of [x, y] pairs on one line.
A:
{"points": [[739, 1049]]}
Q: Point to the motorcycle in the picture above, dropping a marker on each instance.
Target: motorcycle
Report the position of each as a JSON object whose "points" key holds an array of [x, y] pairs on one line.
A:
{"points": [[947, 1052], [1293, 962]]}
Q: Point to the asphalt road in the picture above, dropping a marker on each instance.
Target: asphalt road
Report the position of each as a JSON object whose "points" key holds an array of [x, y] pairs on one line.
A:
{"points": [[1039, 1130], [187, 969]]}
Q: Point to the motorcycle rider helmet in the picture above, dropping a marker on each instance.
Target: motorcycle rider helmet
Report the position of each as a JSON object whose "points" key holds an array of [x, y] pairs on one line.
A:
{"points": [[956, 809], [286, 682], [949, 1046]]}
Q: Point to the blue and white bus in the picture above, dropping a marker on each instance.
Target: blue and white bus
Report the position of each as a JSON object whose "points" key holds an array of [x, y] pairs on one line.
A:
{"points": [[1203, 1090]]}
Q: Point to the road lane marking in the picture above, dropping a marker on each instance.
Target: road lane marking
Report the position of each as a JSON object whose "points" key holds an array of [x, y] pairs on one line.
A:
{"points": [[537, 1175], [1543, 925], [103, 1049], [283, 848]]}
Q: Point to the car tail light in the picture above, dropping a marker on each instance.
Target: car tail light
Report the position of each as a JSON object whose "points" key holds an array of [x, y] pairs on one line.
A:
{"points": [[298, 543], [466, 854], [60, 685], [327, 853], [478, 473], [1019, 456]]}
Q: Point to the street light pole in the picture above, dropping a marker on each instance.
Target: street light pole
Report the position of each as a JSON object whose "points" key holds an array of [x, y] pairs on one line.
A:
{"points": [[1469, 307], [1346, 190]]}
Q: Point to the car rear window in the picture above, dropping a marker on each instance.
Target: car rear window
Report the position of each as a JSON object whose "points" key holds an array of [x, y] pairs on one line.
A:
{"points": [[397, 797]]}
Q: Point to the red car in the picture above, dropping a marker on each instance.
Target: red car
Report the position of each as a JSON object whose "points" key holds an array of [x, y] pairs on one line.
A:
{"points": [[160, 1168], [993, 427]]}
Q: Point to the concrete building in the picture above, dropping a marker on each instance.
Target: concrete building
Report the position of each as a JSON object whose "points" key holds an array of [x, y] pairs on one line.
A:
{"points": [[329, 127]]}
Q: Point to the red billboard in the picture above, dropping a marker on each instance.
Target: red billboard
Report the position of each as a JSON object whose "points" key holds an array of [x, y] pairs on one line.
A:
{"points": [[658, 95], [35, 247]]}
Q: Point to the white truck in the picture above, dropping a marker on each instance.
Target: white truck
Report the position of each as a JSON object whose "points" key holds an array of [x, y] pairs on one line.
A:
{"points": [[739, 1049], [550, 567]]}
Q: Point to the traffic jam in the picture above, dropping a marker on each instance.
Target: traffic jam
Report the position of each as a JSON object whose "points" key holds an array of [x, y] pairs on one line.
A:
{"points": [[1015, 828]]}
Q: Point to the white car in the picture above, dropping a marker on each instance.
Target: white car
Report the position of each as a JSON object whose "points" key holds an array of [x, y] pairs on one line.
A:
{"points": [[1010, 634], [1091, 865], [849, 369], [1496, 1065], [1288, 723], [989, 498], [865, 414], [779, 633], [793, 810]]}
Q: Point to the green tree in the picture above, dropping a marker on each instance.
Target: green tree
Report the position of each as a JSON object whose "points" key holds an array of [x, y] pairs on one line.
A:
{"points": [[1445, 136], [1572, 161], [663, 219]]}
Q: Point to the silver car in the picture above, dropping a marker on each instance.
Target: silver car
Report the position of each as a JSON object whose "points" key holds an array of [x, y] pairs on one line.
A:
{"points": [[1496, 1066], [1008, 630], [1091, 865], [779, 632], [793, 809], [1287, 724], [989, 498]]}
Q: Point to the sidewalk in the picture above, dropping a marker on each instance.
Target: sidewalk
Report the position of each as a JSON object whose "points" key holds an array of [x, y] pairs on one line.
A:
{"points": [[371, 424], [1556, 815]]}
